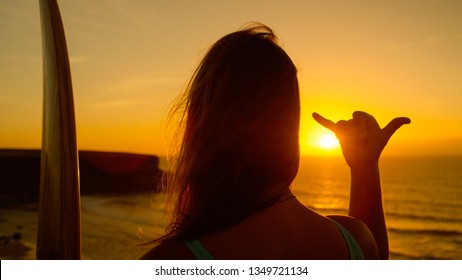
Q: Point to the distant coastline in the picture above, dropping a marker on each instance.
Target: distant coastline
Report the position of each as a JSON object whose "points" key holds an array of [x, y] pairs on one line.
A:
{"points": [[100, 172]]}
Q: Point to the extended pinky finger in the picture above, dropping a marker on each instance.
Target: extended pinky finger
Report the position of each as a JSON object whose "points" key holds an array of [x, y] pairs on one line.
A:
{"points": [[324, 122]]}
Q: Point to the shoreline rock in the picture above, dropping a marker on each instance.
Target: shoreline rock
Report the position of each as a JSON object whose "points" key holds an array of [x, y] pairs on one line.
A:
{"points": [[100, 172]]}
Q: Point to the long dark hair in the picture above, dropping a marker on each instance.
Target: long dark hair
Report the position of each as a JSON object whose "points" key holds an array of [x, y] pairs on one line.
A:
{"points": [[239, 150]]}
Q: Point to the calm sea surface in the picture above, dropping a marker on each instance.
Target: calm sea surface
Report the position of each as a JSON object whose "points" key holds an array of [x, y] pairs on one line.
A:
{"points": [[422, 200]]}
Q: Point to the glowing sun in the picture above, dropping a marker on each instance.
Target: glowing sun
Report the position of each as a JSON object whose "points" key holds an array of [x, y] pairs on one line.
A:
{"points": [[327, 141]]}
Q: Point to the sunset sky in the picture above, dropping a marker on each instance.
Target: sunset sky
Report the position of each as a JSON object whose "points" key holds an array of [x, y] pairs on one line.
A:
{"points": [[130, 59]]}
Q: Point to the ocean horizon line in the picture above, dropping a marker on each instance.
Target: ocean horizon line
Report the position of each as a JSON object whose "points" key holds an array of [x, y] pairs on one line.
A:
{"points": [[10, 150]]}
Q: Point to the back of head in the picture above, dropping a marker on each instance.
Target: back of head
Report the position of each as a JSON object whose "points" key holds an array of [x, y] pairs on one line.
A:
{"points": [[240, 149]]}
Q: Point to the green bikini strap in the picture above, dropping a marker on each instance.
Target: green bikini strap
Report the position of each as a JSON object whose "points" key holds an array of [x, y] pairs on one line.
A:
{"points": [[198, 250], [353, 246]]}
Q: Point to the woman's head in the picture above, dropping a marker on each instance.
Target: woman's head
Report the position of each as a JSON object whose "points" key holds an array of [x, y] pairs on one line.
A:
{"points": [[240, 149]]}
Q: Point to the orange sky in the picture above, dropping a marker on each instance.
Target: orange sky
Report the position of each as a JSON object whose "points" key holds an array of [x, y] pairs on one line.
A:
{"points": [[130, 59]]}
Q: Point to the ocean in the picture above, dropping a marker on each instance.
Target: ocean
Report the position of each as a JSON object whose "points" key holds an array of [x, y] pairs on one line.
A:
{"points": [[422, 200]]}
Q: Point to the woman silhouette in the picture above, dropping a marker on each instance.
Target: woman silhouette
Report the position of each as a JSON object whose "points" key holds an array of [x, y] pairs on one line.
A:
{"points": [[230, 187]]}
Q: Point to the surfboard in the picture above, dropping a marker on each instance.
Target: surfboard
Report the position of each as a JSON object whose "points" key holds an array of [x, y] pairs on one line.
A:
{"points": [[59, 231]]}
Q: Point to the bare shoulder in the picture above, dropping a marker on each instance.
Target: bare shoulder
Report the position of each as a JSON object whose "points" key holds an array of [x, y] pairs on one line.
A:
{"points": [[169, 250], [361, 233]]}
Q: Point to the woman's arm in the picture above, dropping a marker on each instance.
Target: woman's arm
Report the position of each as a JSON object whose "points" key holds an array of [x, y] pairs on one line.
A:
{"points": [[366, 204], [362, 141]]}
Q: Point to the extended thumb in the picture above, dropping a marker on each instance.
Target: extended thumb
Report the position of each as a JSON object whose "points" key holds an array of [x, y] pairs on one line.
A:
{"points": [[394, 124]]}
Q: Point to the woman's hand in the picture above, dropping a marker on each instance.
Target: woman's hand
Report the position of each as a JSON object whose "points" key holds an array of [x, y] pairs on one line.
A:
{"points": [[361, 138], [362, 141]]}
